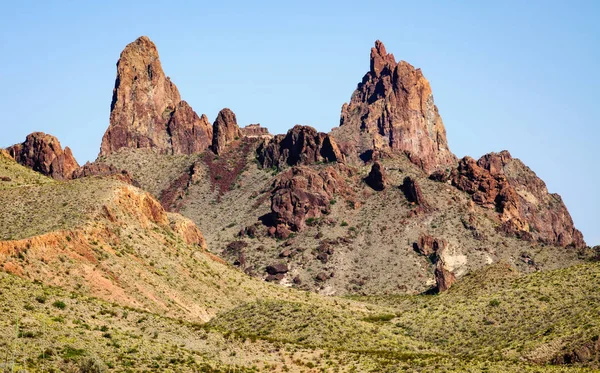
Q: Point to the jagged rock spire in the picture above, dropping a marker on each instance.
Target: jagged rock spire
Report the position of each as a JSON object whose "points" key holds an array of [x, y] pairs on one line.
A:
{"points": [[392, 110], [147, 110]]}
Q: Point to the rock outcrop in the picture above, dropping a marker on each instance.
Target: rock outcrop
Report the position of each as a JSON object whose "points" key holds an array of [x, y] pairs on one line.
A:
{"points": [[413, 193], [102, 169], [189, 133], [444, 278], [376, 178], [255, 130], [525, 208], [428, 245], [225, 130], [434, 249], [302, 145], [302, 193], [392, 110], [43, 153], [147, 110]]}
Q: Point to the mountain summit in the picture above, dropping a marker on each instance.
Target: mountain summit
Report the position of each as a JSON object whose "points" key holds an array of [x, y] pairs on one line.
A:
{"points": [[392, 110], [147, 110]]}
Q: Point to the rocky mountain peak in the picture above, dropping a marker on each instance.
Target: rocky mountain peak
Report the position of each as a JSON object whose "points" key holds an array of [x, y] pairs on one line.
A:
{"points": [[380, 59], [392, 111], [43, 153], [147, 110]]}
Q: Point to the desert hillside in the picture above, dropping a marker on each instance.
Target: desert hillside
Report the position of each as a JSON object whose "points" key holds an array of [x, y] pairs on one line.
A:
{"points": [[191, 246]]}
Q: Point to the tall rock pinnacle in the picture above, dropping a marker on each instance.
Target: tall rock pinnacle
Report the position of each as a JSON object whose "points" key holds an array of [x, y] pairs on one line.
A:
{"points": [[147, 110], [392, 110], [225, 130]]}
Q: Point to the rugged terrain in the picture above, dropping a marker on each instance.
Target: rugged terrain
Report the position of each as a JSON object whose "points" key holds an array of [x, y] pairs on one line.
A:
{"points": [[305, 199], [190, 246]]}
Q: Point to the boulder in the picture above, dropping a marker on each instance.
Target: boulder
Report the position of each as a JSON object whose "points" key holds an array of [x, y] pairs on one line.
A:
{"points": [[278, 268], [413, 193]]}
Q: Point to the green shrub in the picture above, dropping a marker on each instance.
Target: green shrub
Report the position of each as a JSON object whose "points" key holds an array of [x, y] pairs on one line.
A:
{"points": [[59, 304]]}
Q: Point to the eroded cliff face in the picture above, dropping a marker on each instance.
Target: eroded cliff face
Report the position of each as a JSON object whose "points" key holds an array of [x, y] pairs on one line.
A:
{"points": [[302, 145], [147, 110], [498, 181], [392, 111], [43, 153]]}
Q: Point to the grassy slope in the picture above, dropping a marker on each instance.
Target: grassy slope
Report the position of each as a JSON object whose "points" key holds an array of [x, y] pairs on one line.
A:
{"points": [[18, 174], [153, 171], [511, 323], [63, 331], [535, 317]]}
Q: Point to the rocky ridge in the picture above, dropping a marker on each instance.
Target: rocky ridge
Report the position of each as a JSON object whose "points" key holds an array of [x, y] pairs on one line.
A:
{"points": [[302, 145], [499, 182]]}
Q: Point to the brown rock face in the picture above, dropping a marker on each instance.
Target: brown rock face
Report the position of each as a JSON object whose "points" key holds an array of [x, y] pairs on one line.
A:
{"points": [[301, 193], [255, 130], [189, 133], [392, 110], [146, 109], [498, 181], [434, 249], [225, 130], [443, 277], [43, 154], [413, 192], [302, 145], [428, 245], [376, 178]]}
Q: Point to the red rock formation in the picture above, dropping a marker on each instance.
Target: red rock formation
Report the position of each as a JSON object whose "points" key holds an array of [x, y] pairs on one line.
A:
{"points": [[392, 110], [146, 109], [43, 154], [428, 245], [225, 130], [302, 145], [376, 178], [413, 192], [443, 277], [255, 130], [301, 193], [498, 181], [189, 133]]}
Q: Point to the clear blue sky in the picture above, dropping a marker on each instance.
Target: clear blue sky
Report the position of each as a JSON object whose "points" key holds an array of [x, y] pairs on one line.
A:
{"points": [[516, 75]]}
